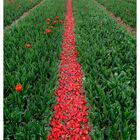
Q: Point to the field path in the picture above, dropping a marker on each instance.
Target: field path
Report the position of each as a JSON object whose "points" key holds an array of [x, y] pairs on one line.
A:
{"points": [[70, 120], [15, 22], [117, 19]]}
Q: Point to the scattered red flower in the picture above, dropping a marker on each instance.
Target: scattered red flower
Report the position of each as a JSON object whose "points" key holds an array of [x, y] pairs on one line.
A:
{"points": [[18, 87], [56, 17], [48, 21], [48, 31], [55, 22], [61, 22], [28, 45], [70, 120]]}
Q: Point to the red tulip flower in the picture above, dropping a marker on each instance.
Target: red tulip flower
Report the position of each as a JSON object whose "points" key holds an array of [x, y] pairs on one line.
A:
{"points": [[48, 31], [56, 17], [61, 22], [28, 46], [18, 87], [55, 22], [48, 21]]}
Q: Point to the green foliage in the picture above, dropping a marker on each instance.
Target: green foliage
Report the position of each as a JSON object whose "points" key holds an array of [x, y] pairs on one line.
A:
{"points": [[125, 9], [27, 114], [108, 58], [13, 9]]}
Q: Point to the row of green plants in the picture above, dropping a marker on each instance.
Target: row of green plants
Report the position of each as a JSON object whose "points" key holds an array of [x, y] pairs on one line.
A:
{"points": [[107, 54], [131, 1], [125, 9], [31, 59], [13, 9]]}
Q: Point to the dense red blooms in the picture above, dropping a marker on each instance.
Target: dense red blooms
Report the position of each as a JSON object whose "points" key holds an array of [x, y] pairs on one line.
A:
{"points": [[70, 120], [61, 22], [28, 45], [18, 87], [48, 31]]}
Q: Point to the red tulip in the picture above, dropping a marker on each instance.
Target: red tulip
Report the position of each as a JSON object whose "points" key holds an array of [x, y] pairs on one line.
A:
{"points": [[56, 18], [48, 31], [28, 45], [61, 22], [55, 22], [48, 21], [18, 87]]}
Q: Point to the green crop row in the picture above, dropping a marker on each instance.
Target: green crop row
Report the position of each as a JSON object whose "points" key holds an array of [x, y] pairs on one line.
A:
{"points": [[27, 114], [107, 54], [125, 9], [13, 9], [131, 1]]}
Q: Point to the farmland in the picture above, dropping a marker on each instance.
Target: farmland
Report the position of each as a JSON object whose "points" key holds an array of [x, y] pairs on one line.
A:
{"points": [[39, 53]]}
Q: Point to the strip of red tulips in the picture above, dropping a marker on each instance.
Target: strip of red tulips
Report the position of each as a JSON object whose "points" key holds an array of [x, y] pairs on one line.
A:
{"points": [[70, 120]]}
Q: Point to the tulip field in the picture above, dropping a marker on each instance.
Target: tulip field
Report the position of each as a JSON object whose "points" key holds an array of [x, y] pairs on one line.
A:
{"points": [[13, 9], [125, 9], [69, 70]]}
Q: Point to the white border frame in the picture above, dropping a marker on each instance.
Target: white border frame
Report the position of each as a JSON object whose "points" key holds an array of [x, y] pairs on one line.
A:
{"points": [[138, 72], [1, 70]]}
